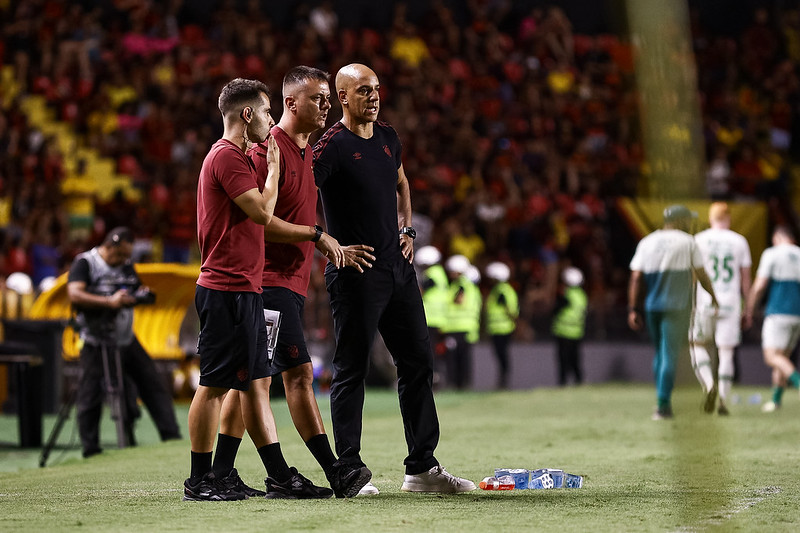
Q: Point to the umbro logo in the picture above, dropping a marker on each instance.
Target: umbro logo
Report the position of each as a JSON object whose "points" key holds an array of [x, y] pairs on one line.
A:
{"points": [[357, 156], [386, 149]]}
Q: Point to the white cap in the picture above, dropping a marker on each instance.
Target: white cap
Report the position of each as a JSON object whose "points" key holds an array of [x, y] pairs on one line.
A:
{"points": [[427, 256], [498, 271], [457, 263], [473, 274], [47, 283], [572, 276], [20, 283]]}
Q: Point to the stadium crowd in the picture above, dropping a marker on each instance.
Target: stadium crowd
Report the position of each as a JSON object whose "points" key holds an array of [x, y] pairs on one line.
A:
{"points": [[519, 133]]}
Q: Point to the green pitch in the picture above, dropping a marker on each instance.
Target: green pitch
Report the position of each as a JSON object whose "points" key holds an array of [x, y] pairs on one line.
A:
{"points": [[695, 473]]}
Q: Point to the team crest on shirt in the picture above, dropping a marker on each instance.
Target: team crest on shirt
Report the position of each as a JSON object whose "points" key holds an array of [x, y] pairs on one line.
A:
{"points": [[386, 149], [357, 156], [294, 174]]}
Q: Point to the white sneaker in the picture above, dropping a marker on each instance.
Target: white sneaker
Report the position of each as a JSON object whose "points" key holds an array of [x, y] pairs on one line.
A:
{"points": [[368, 490], [437, 479], [770, 407]]}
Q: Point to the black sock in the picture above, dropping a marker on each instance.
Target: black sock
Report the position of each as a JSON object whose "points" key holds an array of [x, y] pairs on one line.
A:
{"points": [[201, 464], [320, 448], [227, 446], [273, 460]]}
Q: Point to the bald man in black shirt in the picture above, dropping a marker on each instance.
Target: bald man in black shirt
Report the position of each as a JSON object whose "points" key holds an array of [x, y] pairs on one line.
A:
{"points": [[366, 199]]}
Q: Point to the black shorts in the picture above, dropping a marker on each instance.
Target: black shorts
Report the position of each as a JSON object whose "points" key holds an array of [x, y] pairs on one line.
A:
{"points": [[233, 338], [291, 350]]}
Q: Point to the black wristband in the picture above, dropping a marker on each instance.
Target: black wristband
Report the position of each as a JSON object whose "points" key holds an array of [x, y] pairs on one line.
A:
{"points": [[318, 235], [633, 309]]}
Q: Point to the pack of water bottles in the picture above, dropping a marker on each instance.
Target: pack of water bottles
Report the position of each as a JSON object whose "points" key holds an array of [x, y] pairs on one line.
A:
{"points": [[522, 478]]}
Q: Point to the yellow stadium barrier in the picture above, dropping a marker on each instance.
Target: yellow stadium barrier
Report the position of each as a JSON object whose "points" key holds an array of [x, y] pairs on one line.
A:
{"points": [[157, 326]]}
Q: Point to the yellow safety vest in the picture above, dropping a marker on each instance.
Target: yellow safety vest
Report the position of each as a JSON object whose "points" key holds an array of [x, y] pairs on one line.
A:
{"points": [[435, 297], [571, 320], [501, 318], [463, 317]]}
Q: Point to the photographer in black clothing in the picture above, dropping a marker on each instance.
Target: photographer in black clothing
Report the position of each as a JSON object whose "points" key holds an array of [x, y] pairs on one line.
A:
{"points": [[103, 287]]}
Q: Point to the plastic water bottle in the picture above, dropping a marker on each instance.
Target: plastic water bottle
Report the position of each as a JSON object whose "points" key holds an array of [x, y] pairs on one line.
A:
{"points": [[493, 483]]}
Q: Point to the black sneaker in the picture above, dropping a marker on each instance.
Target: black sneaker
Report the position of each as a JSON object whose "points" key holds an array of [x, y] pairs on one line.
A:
{"points": [[296, 487], [209, 489], [233, 482], [347, 480], [91, 451]]}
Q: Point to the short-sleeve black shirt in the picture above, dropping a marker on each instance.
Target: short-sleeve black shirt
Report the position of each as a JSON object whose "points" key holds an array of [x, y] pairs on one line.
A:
{"points": [[357, 179]]}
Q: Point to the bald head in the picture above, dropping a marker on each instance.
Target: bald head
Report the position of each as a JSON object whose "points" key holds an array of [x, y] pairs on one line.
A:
{"points": [[358, 89], [350, 76]]}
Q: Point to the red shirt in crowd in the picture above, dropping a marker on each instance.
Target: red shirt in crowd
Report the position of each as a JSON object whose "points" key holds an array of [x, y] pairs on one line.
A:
{"points": [[231, 245]]}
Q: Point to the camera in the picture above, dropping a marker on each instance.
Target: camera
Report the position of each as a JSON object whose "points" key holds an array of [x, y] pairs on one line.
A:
{"points": [[144, 296]]}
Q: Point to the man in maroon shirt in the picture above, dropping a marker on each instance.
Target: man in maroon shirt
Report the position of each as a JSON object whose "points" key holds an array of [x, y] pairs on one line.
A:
{"points": [[232, 210], [291, 238]]}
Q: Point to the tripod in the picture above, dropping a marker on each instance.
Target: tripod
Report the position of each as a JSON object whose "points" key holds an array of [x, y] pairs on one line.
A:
{"points": [[114, 389]]}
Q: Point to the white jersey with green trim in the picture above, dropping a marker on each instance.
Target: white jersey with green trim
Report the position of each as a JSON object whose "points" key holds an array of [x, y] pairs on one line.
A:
{"points": [[725, 253]]}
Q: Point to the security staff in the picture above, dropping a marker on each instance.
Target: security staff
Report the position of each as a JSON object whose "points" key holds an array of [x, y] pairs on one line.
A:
{"points": [[460, 322], [569, 325], [501, 312], [434, 285]]}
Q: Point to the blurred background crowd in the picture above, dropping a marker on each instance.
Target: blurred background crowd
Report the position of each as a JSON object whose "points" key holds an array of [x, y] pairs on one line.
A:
{"points": [[519, 122]]}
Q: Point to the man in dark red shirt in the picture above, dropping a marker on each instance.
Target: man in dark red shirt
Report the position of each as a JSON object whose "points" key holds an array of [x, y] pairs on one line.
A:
{"points": [[291, 237], [232, 209]]}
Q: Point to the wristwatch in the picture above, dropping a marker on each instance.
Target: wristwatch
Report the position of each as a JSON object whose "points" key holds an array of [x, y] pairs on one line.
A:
{"points": [[319, 233], [408, 230]]}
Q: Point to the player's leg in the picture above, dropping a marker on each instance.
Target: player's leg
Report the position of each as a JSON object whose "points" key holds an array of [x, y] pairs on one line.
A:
{"points": [[405, 332], [357, 301], [152, 389], [725, 376], [656, 324], [778, 338], [728, 336], [89, 399], [702, 336]]}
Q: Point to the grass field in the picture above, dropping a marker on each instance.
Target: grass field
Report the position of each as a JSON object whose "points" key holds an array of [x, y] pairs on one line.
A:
{"points": [[695, 473]]}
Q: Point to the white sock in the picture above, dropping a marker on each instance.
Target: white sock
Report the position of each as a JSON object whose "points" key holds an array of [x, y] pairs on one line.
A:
{"points": [[701, 363], [725, 372]]}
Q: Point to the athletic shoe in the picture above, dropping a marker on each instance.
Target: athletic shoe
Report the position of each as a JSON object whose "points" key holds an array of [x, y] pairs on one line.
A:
{"points": [[233, 482], [664, 413], [770, 407], [369, 490], [437, 479], [722, 410], [347, 480], [91, 451], [711, 399], [209, 489], [297, 487]]}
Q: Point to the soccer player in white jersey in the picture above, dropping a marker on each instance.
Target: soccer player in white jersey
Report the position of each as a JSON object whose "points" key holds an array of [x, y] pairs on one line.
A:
{"points": [[664, 262], [727, 261], [778, 276]]}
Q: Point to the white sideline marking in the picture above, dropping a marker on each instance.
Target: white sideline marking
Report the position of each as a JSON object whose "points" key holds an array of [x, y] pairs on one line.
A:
{"points": [[726, 514]]}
